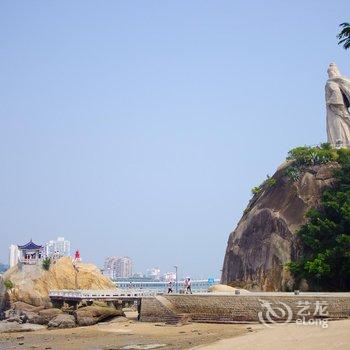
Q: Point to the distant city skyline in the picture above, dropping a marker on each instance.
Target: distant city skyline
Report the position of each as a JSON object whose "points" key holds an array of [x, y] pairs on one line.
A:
{"points": [[141, 127], [122, 266], [118, 266]]}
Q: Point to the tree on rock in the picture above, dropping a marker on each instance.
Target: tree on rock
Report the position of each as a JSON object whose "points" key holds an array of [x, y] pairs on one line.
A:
{"points": [[344, 35]]}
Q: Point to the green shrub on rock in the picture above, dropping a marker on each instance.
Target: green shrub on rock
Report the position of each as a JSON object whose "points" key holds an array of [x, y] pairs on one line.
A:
{"points": [[293, 173], [306, 156], [8, 284], [269, 182], [256, 190], [46, 264]]}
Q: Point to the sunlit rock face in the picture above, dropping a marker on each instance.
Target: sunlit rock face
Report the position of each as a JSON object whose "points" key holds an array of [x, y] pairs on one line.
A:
{"points": [[32, 283], [265, 238]]}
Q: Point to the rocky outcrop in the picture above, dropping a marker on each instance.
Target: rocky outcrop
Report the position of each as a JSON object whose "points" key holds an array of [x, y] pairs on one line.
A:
{"points": [[265, 240], [62, 321], [56, 318], [89, 315], [29, 300], [14, 327], [32, 283], [33, 317], [49, 314], [25, 313]]}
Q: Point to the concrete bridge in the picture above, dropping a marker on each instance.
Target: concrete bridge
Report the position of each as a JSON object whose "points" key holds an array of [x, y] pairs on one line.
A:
{"points": [[115, 297], [103, 295]]}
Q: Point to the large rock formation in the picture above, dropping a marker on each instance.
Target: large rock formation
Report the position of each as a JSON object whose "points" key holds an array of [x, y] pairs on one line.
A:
{"points": [[89, 315], [265, 240], [62, 321], [32, 283]]}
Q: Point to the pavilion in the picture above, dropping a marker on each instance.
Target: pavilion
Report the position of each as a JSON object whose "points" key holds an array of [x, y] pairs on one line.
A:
{"points": [[30, 253]]}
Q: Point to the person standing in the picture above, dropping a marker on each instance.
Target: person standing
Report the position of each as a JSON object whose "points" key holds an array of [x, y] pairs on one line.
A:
{"points": [[188, 284], [170, 287]]}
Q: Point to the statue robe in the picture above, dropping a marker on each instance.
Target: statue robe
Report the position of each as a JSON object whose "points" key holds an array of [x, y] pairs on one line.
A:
{"points": [[338, 116]]}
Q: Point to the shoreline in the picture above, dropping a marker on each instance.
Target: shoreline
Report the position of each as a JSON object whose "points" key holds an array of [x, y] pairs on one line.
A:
{"points": [[128, 334]]}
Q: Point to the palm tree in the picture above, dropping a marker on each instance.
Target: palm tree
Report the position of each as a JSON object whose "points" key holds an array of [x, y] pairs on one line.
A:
{"points": [[344, 35]]}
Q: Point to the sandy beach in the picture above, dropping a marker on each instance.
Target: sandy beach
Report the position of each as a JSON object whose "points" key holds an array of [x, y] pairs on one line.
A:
{"points": [[289, 337], [194, 336], [123, 335]]}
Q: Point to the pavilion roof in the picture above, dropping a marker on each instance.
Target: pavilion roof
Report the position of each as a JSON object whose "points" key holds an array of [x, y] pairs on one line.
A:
{"points": [[30, 245]]}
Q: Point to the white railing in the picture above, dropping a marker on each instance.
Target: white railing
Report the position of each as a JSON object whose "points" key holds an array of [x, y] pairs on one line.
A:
{"points": [[99, 294], [29, 261]]}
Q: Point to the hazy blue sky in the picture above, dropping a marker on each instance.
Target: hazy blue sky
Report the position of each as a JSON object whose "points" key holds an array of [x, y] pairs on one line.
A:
{"points": [[139, 127]]}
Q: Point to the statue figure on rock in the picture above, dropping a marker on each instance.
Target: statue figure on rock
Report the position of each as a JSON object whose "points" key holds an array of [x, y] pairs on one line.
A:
{"points": [[338, 102]]}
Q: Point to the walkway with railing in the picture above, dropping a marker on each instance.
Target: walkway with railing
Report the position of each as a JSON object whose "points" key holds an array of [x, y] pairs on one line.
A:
{"points": [[109, 295]]}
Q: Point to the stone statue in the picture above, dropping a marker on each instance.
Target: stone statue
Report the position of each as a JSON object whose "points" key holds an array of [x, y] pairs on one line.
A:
{"points": [[338, 102]]}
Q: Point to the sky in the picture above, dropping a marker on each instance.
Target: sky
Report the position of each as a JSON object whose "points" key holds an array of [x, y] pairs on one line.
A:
{"points": [[138, 128]]}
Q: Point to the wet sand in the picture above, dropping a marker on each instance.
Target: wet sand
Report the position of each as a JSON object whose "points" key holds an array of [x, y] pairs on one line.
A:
{"points": [[130, 334], [120, 335]]}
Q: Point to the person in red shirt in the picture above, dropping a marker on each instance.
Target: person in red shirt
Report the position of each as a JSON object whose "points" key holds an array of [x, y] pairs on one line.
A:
{"points": [[77, 255]]}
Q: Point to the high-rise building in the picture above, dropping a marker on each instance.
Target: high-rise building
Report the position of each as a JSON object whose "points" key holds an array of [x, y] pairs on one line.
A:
{"points": [[13, 255], [57, 248], [123, 267], [110, 266], [110, 262], [115, 266]]}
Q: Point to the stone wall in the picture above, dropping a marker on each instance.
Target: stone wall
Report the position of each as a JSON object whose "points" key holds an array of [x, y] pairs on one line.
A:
{"points": [[157, 309], [240, 308]]}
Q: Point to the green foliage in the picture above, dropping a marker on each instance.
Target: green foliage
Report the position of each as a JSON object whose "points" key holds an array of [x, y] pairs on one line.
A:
{"points": [[344, 35], [293, 173], [8, 284], [305, 156], [269, 182], [325, 238], [256, 190], [46, 264], [318, 266]]}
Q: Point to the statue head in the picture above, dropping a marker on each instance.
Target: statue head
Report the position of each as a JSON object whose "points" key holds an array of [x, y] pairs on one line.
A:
{"points": [[333, 71]]}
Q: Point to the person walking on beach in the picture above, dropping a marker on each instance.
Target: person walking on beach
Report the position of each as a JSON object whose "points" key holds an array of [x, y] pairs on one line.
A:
{"points": [[170, 287]]}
